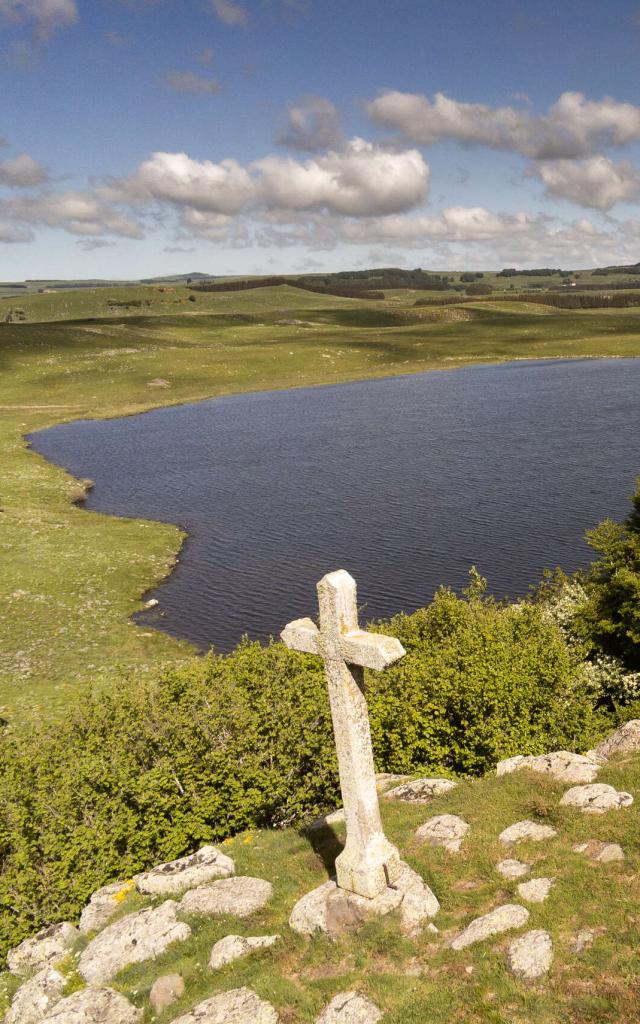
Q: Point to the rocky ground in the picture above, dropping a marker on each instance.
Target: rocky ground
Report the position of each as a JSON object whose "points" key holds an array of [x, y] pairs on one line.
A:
{"points": [[519, 902]]}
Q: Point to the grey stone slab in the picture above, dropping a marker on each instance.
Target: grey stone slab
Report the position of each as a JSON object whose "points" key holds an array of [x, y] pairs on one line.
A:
{"points": [[597, 798], [421, 791], [531, 955], [36, 998], [233, 947], [561, 765], [94, 1006], [526, 831], [239, 895], [350, 1008], [177, 876], [502, 919], [45, 947], [140, 936], [238, 1006], [447, 830]]}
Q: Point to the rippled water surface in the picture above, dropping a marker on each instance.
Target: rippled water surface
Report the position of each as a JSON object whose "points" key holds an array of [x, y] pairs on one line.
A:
{"points": [[405, 482]]}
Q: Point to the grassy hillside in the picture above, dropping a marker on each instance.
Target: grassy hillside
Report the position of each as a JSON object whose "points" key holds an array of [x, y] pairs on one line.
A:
{"points": [[72, 579], [414, 981]]}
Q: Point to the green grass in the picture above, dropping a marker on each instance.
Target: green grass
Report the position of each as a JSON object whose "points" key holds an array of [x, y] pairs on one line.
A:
{"points": [[420, 980], [70, 580]]}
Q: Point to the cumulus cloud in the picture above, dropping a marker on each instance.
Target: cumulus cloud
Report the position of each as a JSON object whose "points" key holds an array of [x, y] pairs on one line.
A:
{"points": [[80, 213], [573, 126], [313, 123], [360, 180], [22, 172], [595, 182], [188, 82], [46, 16], [230, 13]]}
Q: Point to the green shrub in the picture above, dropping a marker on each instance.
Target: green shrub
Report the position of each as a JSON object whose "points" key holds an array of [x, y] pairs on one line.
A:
{"points": [[229, 742]]}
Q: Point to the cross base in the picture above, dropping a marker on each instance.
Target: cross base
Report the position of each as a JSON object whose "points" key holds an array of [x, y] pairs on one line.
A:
{"points": [[367, 871]]}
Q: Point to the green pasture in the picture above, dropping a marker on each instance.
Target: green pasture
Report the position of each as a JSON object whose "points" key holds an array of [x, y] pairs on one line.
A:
{"points": [[70, 580]]}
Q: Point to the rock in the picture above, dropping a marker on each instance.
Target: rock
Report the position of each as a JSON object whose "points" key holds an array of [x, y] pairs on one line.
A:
{"points": [[444, 830], [421, 791], [386, 779], [625, 740], [103, 905], [513, 868], [582, 940], [531, 955], [596, 799], [143, 935], [561, 765], [336, 911], [238, 895], [232, 947], [165, 991], [47, 946], [349, 1008], [158, 382], [528, 831], [152, 603], [332, 818], [36, 998], [238, 1006], [177, 876], [418, 904], [502, 919], [596, 850], [535, 891], [94, 1006]]}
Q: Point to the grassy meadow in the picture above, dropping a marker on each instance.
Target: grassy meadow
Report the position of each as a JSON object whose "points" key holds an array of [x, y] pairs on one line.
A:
{"points": [[70, 580]]}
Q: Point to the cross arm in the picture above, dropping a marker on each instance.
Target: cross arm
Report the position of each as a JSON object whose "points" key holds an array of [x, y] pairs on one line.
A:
{"points": [[301, 635], [370, 650]]}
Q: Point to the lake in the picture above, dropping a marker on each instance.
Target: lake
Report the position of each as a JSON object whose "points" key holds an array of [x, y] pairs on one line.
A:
{"points": [[405, 482]]}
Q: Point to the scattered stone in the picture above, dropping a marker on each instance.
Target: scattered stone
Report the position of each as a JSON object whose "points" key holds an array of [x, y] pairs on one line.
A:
{"points": [[36, 998], [158, 382], [349, 1008], [103, 905], [625, 740], [177, 876], [596, 850], [421, 791], [232, 947], [432, 928], [584, 938], [47, 946], [335, 911], [165, 991], [513, 868], [596, 799], [152, 603], [535, 891], [386, 779], [239, 1006], [239, 895], [531, 955], [561, 765], [529, 831], [333, 818], [94, 1006], [140, 936], [502, 919], [444, 830]]}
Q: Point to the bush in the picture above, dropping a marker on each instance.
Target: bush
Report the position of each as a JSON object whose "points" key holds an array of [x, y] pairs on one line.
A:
{"points": [[481, 681], [225, 743]]}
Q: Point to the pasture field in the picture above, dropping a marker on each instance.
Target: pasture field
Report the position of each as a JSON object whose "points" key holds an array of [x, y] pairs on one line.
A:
{"points": [[70, 580]]}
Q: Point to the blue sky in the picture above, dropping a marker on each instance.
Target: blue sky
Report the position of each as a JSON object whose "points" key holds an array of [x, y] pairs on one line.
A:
{"points": [[142, 137]]}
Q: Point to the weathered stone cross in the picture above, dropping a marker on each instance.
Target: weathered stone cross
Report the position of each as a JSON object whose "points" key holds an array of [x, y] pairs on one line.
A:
{"points": [[369, 862]]}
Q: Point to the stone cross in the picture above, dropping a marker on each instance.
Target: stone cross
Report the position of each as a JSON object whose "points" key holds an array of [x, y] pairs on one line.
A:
{"points": [[369, 862]]}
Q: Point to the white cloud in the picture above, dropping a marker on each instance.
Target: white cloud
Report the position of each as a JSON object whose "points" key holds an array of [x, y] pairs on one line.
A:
{"points": [[46, 15], [573, 127], [230, 13], [80, 213], [595, 182], [188, 82], [313, 123], [361, 180], [22, 172], [225, 187]]}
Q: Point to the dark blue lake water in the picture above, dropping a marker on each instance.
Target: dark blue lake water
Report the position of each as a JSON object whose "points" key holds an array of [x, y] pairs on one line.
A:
{"points": [[405, 482]]}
